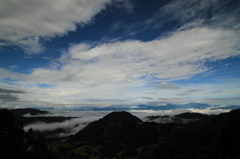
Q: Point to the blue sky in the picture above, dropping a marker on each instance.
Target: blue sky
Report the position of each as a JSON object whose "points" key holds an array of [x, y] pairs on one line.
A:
{"points": [[119, 52]]}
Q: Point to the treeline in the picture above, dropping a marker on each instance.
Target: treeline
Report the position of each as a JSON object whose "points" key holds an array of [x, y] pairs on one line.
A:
{"points": [[17, 144]]}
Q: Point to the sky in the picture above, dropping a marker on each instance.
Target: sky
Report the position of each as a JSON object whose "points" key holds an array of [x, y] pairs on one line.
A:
{"points": [[100, 53]]}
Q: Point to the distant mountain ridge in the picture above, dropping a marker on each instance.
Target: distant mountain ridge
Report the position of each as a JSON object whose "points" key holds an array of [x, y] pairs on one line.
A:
{"points": [[31, 111], [199, 106], [182, 118]]}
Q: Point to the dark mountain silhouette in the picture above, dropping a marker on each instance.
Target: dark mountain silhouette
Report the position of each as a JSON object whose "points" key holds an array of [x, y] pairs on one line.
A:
{"points": [[112, 120], [192, 116], [31, 111], [50, 119], [180, 118], [116, 132]]}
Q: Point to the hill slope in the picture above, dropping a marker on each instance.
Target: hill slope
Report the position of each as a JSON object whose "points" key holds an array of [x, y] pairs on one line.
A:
{"points": [[114, 119]]}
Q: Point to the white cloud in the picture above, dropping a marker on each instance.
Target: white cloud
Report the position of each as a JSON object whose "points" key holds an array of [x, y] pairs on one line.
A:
{"points": [[192, 13], [128, 60], [23, 21], [189, 92], [70, 126], [210, 111], [30, 45], [187, 10], [124, 4], [119, 71], [12, 67]]}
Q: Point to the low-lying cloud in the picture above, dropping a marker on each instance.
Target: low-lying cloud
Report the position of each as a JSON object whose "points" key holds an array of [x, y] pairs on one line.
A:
{"points": [[74, 125], [70, 126]]}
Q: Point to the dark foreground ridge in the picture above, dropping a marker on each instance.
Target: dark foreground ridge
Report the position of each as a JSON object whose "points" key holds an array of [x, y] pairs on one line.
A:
{"points": [[122, 135]]}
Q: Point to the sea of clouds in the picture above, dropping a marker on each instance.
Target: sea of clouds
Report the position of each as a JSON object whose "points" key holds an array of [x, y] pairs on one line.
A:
{"points": [[83, 118]]}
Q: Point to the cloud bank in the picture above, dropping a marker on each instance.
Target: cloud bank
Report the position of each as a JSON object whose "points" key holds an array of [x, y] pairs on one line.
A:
{"points": [[74, 125], [70, 126]]}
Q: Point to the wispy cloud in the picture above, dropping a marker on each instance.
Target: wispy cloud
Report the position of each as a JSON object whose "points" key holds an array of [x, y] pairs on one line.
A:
{"points": [[150, 93], [168, 86], [149, 98], [176, 100], [30, 45], [12, 67], [189, 92], [8, 91], [70, 126], [217, 91], [193, 13], [9, 95], [23, 22], [123, 4]]}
